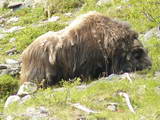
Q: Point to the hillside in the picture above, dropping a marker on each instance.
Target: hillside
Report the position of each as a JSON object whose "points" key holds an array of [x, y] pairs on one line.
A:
{"points": [[21, 25]]}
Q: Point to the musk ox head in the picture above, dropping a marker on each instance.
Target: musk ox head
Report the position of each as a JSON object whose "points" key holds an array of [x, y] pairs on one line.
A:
{"points": [[136, 59], [91, 45]]}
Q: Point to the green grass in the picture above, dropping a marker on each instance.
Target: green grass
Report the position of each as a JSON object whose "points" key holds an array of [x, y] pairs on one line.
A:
{"points": [[142, 92], [8, 86]]}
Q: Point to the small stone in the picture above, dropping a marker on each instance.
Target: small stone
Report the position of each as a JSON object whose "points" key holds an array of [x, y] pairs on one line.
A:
{"points": [[157, 90], [10, 118], [11, 61], [3, 3], [81, 117], [4, 71], [25, 98], [81, 87], [2, 36], [31, 110], [11, 51], [14, 29], [153, 32], [36, 113], [157, 74], [53, 19], [43, 110], [68, 14], [3, 66], [11, 99], [13, 19], [15, 5], [14, 71], [113, 77], [12, 40], [102, 2], [112, 106], [27, 88], [2, 20]]}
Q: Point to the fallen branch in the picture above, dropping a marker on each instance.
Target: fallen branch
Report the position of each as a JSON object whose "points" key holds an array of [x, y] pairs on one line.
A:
{"points": [[83, 108], [126, 96]]}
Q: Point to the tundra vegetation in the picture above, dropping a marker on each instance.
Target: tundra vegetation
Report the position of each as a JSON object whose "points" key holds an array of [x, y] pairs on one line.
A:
{"points": [[144, 90]]}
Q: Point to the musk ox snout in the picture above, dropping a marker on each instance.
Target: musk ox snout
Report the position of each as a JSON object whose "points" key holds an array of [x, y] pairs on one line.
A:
{"points": [[137, 60]]}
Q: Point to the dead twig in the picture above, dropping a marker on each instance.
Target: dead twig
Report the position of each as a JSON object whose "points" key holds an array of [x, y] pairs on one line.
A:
{"points": [[83, 108], [126, 96]]}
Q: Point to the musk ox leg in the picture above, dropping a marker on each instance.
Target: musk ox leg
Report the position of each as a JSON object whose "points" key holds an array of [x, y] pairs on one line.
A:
{"points": [[51, 75]]}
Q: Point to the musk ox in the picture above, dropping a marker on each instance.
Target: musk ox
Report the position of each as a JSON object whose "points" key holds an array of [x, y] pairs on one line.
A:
{"points": [[91, 45]]}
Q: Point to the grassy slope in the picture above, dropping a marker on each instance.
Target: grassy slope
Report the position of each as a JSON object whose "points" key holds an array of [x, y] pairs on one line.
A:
{"points": [[142, 91]]}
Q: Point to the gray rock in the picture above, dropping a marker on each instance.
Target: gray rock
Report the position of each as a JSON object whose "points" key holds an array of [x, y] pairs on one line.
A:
{"points": [[2, 20], [11, 99], [11, 61], [36, 113], [112, 106], [4, 72], [81, 87], [153, 32], [29, 3], [3, 66], [102, 2], [53, 19], [157, 90], [9, 118], [15, 5], [42, 109], [27, 88], [11, 67], [68, 14], [25, 98], [13, 71], [4, 3], [2, 36], [11, 51], [13, 19], [113, 77], [12, 40], [14, 29], [157, 74]]}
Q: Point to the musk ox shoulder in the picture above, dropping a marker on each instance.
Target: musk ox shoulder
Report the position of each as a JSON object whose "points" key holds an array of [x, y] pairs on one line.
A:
{"points": [[93, 44]]}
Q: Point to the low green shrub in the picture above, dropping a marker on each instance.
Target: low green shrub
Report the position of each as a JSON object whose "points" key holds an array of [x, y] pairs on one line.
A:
{"points": [[60, 6], [8, 86]]}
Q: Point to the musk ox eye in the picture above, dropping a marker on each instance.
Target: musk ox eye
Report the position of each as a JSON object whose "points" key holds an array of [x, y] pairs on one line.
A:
{"points": [[137, 54]]}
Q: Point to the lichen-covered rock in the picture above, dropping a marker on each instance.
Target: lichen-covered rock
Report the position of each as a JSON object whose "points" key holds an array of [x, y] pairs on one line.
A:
{"points": [[112, 106], [4, 3], [12, 99], [102, 2], [11, 61], [27, 88], [153, 32], [13, 19]]}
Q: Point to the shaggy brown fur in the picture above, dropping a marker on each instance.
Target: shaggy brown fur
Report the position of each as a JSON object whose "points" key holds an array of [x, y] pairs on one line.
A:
{"points": [[92, 44]]}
